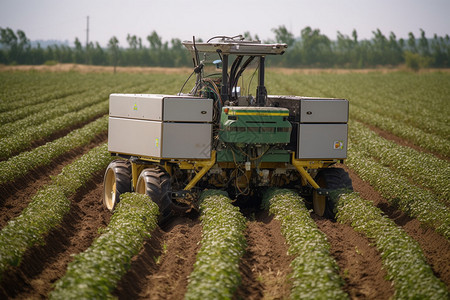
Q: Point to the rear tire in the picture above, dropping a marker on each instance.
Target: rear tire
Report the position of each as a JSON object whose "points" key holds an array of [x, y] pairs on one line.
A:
{"points": [[335, 179], [117, 180], [155, 183]]}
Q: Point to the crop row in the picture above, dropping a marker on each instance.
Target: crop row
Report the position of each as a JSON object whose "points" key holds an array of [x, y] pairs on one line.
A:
{"points": [[20, 89], [420, 121], [21, 140], [315, 273], [216, 270], [401, 96], [90, 93], [402, 257], [423, 139], [411, 106], [48, 207], [94, 273], [413, 100], [422, 168], [414, 201], [420, 95], [24, 162], [59, 108], [13, 113]]}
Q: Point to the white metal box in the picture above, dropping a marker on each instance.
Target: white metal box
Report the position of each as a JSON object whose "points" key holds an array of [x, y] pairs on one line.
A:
{"points": [[323, 111], [161, 107], [322, 141], [160, 126], [158, 139]]}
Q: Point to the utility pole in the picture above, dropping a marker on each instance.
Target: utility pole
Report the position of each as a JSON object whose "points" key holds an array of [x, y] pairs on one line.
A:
{"points": [[87, 40], [87, 32]]}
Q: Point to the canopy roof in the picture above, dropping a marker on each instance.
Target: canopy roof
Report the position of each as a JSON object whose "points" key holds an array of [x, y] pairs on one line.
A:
{"points": [[254, 48]]}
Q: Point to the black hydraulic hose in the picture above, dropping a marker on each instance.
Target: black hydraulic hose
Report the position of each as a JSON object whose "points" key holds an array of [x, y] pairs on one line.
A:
{"points": [[233, 70], [242, 69]]}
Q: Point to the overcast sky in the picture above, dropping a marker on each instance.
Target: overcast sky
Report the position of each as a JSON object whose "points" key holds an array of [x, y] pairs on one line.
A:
{"points": [[66, 19]]}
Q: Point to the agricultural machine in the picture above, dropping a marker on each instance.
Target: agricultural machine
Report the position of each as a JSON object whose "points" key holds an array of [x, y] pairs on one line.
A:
{"points": [[171, 147]]}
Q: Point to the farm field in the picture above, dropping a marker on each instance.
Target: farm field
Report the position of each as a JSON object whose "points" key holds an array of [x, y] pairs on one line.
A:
{"points": [[390, 239]]}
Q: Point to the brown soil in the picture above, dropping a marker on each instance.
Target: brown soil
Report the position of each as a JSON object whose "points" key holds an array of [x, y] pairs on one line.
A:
{"points": [[42, 265], [265, 267], [15, 196], [435, 247], [359, 262], [94, 69], [185, 70], [391, 137], [161, 269]]}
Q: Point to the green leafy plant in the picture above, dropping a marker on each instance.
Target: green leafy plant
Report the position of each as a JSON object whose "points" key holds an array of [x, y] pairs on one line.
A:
{"points": [[216, 270], [414, 201], [315, 273], [94, 273], [422, 168], [48, 207], [23, 138], [402, 257], [23, 163]]}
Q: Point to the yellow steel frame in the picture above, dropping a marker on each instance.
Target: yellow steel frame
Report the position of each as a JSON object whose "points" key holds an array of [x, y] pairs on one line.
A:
{"points": [[201, 167], [302, 165]]}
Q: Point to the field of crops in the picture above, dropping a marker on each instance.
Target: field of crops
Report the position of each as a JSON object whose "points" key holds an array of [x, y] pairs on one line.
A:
{"points": [[390, 239]]}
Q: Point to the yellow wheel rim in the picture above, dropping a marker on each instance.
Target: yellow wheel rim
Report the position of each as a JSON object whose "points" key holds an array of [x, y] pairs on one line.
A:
{"points": [[109, 193], [140, 186]]}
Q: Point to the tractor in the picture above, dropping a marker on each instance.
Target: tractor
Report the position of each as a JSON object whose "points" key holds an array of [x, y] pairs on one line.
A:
{"points": [[220, 136]]}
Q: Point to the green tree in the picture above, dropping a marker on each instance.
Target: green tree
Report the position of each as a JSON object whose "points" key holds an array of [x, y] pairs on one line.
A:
{"points": [[315, 48], [16, 45], [395, 51], [79, 53], [424, 49], [155, 41], [113, 47], [282, 35], [412, 46]]}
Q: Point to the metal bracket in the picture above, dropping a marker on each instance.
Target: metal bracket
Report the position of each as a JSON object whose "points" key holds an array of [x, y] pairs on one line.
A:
{"points": [[324, 192]]}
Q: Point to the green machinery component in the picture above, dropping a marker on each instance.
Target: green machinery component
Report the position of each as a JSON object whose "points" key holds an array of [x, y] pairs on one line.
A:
{"points": [[255, 125]]}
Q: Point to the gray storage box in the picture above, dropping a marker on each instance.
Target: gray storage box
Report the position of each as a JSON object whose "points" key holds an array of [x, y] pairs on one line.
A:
{"points": [[322, 132], [322, 141], [161, 107], [188, 109], [135, 106], [160, 126], [134, 137], [323, 111], [186, 140]]}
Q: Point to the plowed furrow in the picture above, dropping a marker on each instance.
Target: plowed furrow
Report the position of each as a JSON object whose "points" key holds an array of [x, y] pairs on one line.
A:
{"points": [[43, 265], [434, 246], [360, 263], [15, 196], [162, 268], [265, 267]]}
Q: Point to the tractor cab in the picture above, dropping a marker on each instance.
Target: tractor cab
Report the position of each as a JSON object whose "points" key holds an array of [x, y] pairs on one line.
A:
{"points": [[235, 54]]}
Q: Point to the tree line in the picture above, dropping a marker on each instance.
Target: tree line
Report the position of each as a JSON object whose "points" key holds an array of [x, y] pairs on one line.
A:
{"points": [[310, 49]]}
